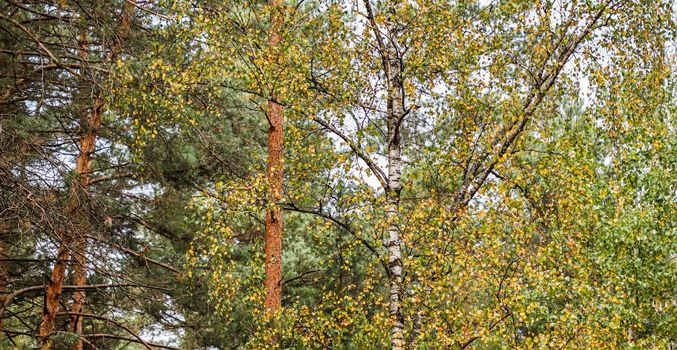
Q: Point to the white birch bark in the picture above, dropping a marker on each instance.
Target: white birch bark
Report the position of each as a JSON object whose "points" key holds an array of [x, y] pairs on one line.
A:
{"points": [[393, 241]]}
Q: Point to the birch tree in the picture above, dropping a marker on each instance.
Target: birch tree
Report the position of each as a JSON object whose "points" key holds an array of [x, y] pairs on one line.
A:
{"points": [[430, 185]]}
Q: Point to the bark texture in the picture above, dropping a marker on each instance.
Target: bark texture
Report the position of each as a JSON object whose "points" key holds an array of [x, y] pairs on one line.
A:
{"points": [[54, 290], [5, 231], [87, 145], [395, 113], [74, 243], [72, 240], [79, 259], [393, 241], [274, 214], [273, 236]]}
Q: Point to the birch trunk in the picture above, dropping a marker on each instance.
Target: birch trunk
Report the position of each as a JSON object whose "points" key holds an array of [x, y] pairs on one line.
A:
{"points": [[393, 241], [395, 113]]}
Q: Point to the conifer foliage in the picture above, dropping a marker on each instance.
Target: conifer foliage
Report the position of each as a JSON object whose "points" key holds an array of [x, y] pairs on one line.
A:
{"points": [[218, 174]]}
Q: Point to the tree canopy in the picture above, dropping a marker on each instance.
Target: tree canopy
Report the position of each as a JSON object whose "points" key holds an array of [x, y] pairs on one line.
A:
{"points": [[218, 174]]}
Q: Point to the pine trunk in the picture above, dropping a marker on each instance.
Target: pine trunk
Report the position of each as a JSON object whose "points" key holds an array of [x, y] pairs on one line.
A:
{"points": [[273, 238], [5, 231], [87, 145], [79, 296], [53, 296], [72, 240]]}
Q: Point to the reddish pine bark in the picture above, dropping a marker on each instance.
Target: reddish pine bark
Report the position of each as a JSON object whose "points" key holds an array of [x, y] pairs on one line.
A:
{"points": [[79, 296], [71, 240], [54, 291], [87, 144], [273, 238], [80, 245]]}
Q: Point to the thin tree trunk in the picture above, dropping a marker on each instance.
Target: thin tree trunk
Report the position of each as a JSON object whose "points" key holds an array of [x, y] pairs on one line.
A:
{"points": [[395, 114], [91, 122], [78, 243], [79, 296], [54, 291], [273, 236], [5, 230], [393, 241], [79, 259], [72, 240]]}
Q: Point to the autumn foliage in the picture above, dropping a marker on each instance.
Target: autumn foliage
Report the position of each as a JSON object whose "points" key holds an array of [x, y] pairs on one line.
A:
{"points": [[338, 175]]}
